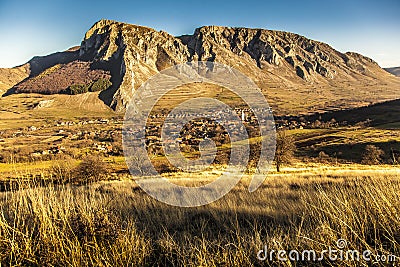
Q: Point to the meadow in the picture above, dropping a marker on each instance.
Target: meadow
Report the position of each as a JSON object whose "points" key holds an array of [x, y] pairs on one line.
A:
{"points": [[322, 195], [115, 223]]}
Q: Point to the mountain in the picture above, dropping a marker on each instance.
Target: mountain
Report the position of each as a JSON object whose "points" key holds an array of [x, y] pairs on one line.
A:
{"points": [[394, 71], [11, 76], [296, 74]]}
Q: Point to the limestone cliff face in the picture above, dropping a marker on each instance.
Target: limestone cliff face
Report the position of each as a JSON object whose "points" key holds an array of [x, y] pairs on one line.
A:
{"points": [[140, 52], [308, 59], [284, 65], [134, 53]]}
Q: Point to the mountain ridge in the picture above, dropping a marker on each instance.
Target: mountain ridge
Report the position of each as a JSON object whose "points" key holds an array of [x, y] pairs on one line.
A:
{"points": [[279, 62]]}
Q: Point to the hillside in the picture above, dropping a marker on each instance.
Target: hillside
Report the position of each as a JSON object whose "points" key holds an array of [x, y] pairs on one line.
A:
{"points": [[11, 76], [296, 74], [394, 71], [60, 78]]}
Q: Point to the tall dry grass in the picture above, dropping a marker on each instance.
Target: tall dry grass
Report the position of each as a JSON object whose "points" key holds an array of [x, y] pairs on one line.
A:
{"points": [[117, 224]]}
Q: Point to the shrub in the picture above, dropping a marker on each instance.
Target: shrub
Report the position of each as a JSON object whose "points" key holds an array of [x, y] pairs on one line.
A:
{"points": [[6, 156], [323, 157], [100, 85], [91, 169], [62, 169], [285, 147], [76, 89], [372, 155]]}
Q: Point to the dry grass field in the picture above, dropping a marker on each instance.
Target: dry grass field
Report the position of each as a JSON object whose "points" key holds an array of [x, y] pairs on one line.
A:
{"points": [[76, 152], [51, 215], [114, 223]]}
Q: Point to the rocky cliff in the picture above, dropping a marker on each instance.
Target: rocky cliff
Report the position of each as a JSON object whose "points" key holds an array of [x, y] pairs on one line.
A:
{"points": [[132, 53], [290, 69]]}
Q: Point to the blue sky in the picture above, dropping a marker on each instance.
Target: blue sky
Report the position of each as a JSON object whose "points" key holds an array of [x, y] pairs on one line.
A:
{"points": [[29, 28]]}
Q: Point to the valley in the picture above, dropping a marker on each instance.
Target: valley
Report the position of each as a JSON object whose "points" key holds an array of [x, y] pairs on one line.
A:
{"points": [[68, 197]]}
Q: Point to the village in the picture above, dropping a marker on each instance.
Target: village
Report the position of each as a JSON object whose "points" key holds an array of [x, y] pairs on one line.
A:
{"points": [[104, 135]]}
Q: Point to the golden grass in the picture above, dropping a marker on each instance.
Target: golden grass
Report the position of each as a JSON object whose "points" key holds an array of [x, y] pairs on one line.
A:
{"points": [[117, 224], [27, 167], [17, 111], [47, 72]]}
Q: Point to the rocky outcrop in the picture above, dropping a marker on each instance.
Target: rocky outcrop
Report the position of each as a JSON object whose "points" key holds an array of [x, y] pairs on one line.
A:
{"points": [[308, 59], [277, 61], [132, 53]]}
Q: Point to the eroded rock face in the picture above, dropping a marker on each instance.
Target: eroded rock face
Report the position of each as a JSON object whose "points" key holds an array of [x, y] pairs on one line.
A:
{"points": [[131, 54], [307, 58]]}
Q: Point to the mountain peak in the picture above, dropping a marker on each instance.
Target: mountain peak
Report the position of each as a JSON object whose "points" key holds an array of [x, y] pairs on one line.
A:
{"points": [[284, 65], [103, 22], [100, 25]]}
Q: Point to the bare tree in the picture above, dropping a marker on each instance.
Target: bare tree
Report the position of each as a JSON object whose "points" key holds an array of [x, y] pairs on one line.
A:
{"points": [[139, 163], [323, 157], [285, 147], [91, 169], [372, 155], [394, 155]]}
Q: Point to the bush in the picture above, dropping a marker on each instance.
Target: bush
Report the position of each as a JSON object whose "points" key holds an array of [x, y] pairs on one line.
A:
{"points": [[91, 169], [323, 157], [6, 156], [76, 89], [285, 148], [100, 85], [372, 155], [62, 169]]}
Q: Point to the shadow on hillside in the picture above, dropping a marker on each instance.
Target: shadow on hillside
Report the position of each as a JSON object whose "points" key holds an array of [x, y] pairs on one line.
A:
{"points": [[376, 115], [114, 66], [354, 152], [9, 92], [40, 63]]}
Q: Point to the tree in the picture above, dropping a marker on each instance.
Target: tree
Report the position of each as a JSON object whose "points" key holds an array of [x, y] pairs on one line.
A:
{"points": [[61, 170], [91, 169], [395, 156], [323, 157], [139, 163], [285, 147], [372, 155]]}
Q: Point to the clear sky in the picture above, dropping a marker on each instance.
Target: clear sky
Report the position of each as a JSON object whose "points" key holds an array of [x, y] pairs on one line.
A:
{"points": [[29, 28]]}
